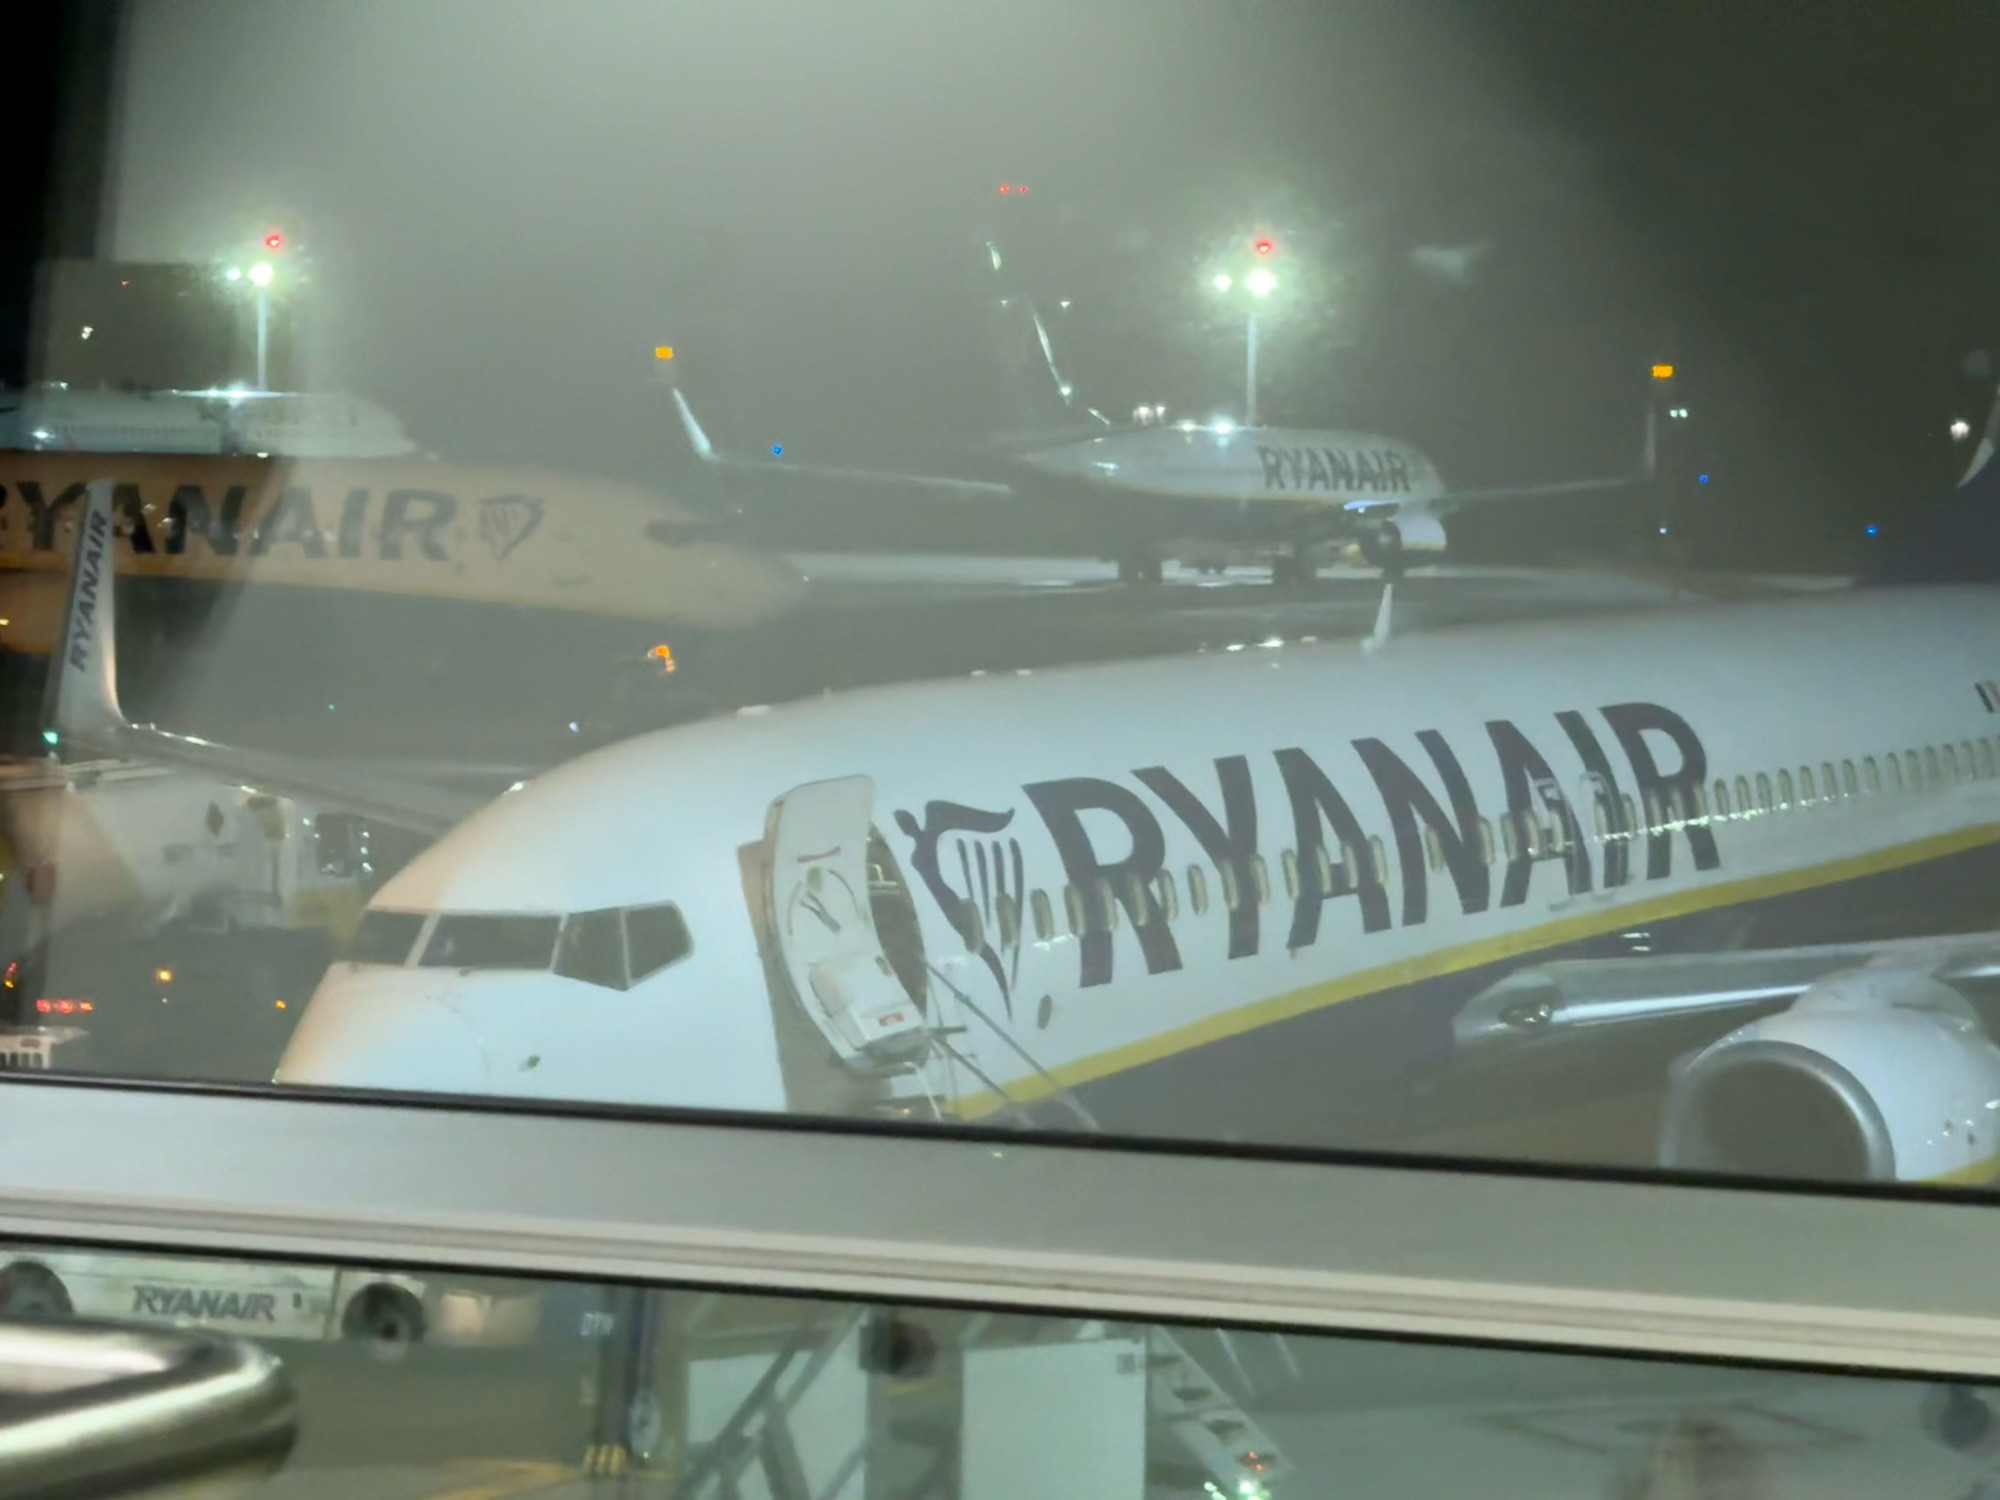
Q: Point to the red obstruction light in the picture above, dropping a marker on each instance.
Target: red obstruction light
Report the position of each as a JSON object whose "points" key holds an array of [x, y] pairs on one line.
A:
{"points": [[274, 241], [1264, 247]]}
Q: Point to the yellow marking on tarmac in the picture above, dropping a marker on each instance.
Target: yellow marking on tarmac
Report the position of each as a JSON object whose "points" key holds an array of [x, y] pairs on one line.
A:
{"points": [[515, 1477], [1442, 961]]}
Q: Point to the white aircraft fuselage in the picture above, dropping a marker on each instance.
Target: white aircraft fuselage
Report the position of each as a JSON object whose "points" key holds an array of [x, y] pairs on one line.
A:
{"points": [[1239, 894]]}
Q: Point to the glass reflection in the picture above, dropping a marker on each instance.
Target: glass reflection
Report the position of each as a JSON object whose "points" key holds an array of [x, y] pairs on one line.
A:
{"points": [[644, 602]]}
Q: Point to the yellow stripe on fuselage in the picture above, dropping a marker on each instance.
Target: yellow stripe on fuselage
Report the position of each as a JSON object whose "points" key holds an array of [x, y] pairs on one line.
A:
{"points": [[1452, 960]]}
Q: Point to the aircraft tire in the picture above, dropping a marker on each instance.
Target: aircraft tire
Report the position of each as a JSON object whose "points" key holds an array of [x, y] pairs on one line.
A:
{"points": [[383, 1314], [31, 1290]]}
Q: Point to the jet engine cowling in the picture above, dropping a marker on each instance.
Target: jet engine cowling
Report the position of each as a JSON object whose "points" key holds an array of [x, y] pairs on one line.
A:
{"points": [[1414, 537], [1870, 1075]]}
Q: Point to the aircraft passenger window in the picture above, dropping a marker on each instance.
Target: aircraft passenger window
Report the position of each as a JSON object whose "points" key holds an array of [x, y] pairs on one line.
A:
{"points": [[1007, 912], [384, 937], [1289, 862], [1485, 842], [1134, 894], [1986, 757], [1656, 816], [655, 936], [1913, 769], [1197, 881], [1933, 767], [1102, 906], [1968, 766], [1045, 918], [1325, 868], [1763, 792], [971, 926], [1806, 794], [1559, 835], [1743, 803], [489, 942], [1378, 859], [1950, 763], [1631, 814], [1848, 783], [1073, 909], [1170, 900], [1895, 772], [1261, 872], [1785, 799], [1828, 787], [593, 949], [1719, 801], [1510, 837], [1232, 886], [1433, 849]]}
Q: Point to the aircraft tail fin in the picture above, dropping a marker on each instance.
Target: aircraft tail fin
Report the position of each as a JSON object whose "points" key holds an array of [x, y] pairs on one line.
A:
{"points": [[691, 426], [81, 706], [1956, 540], [1041, 402]]}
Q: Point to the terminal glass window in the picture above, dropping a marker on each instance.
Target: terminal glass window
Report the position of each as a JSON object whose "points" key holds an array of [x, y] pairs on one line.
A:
{"points": [[436, 1382], [669, 557]]}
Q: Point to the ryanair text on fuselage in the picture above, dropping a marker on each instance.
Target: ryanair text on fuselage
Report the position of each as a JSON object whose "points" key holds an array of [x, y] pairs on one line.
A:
{"points": [[1328, 839], [390, 525], [1382, 470]]}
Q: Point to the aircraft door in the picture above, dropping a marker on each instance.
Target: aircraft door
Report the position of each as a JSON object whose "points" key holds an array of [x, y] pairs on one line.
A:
{"points": [[823, 922]]}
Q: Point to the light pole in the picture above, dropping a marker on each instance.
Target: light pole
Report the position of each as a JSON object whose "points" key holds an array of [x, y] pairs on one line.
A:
{"points": [[1260, 283], [260, 278]]}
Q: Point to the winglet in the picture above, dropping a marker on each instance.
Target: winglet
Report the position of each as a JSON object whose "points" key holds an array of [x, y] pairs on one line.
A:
{"points": [[697, 439], [1379, 636], [82, 696]]}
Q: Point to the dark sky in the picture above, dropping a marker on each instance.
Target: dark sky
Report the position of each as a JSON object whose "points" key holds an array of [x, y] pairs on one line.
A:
{"points": [[505, 203]]}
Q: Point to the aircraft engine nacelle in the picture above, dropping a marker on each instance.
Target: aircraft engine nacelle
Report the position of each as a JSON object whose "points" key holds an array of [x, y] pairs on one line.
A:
{"points": [[1874, 1074], [1414, 537]]}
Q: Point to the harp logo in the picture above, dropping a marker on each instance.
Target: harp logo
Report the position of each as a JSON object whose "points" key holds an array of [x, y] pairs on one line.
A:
{"points": [[506, 521]]}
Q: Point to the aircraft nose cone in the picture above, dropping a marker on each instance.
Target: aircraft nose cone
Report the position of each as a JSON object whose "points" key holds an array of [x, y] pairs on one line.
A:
{"points": [[394, 1029]]}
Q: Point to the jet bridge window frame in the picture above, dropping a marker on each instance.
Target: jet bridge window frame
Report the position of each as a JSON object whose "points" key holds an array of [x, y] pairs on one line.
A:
{"points": [[1439, 1251]]}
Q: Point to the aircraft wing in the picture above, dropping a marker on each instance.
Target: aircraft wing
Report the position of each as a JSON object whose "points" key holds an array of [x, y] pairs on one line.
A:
{"points": [[1598, 997], [83, 712], [775, 471], [1645, 473]]}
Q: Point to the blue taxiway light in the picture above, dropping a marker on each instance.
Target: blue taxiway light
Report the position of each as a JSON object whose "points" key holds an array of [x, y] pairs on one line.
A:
{"points": [[777, 450]]}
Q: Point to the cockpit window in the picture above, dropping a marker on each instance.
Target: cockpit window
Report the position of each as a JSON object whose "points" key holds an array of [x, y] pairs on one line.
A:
{"points": [[385, 937], [618, 947], [484, 942], [657, 936], [593, 949]]}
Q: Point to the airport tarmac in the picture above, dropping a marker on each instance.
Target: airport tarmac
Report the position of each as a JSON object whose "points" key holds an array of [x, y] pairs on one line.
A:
{"points": [[866, 620]]}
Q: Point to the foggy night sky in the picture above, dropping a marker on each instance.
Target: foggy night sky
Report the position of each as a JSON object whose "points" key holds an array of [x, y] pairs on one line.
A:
{"points": [[507, 203]]}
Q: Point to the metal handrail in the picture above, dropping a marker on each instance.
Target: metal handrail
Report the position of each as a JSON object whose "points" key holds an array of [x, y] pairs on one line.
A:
{"points": [[101, 1409]]}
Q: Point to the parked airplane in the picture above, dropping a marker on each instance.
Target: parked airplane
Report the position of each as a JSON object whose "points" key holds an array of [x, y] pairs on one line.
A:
{"points": [[513, 567], [1196, 491], [1243, 894]]}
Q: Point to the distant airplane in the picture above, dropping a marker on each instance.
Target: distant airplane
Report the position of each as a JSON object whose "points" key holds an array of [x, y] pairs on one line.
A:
{"points": [[1266, 891], [492, 572], [1187, 489]]}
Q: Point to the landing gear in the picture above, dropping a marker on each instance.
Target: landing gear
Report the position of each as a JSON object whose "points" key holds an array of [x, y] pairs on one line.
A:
{"points": [[1139, 568], [1297, 564]]}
